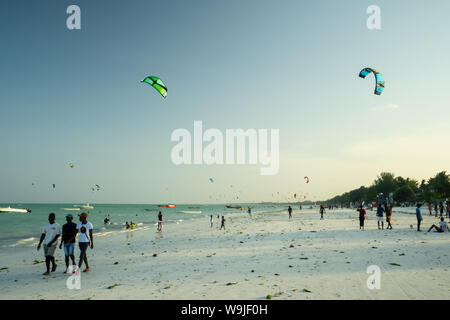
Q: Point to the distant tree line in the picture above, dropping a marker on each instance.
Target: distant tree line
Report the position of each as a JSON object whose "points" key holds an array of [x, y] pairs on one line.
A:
{"points": [[403, 190]]}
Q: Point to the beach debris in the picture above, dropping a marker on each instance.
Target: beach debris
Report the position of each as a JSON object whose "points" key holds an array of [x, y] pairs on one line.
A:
{"points": [[168, 287], [231, 283], [306, 290], [394, 264], [117, 262], [156, 83], [112, 286], [4, 268], [38, 261], [269, 296], [155, 255], [379, 79]]}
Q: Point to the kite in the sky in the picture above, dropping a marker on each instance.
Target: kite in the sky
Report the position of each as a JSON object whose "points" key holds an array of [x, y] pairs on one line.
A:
{"points": [[98, 187], [156, 83], [54, 186], [307, 179], [211, 180], [71, 165], [379, 79]]}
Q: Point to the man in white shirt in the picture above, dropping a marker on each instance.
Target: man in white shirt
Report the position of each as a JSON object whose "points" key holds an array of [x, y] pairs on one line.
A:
{"points": [[85, 239], [443, 226], [50, 234]]}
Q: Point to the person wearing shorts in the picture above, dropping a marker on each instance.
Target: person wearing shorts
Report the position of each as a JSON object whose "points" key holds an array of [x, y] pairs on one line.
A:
{"points": [[380, 211], [50, 234], [85, 239], [160, 221], [69, 232], [388, 217]]}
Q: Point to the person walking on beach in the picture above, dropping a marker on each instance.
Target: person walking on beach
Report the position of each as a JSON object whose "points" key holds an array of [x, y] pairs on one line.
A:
{"points": [[430, 208], [388, 216], [290, 212], [418, 216], [223, 223], [322, 211], [380, 211], [86, 239], [249, 211], [69, 232], [50, 234], [443, 226], [160, 221], [362, 217], [211, 220]]}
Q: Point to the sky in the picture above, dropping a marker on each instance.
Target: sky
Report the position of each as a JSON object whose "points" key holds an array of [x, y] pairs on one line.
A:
{"points": [[75, 96]]}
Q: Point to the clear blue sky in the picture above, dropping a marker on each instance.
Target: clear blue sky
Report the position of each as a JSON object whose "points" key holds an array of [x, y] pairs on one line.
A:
{"points": [[74, 96]]}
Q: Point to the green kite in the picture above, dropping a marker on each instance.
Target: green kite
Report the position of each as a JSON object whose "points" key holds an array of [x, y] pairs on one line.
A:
{"points": [[156, 83]]}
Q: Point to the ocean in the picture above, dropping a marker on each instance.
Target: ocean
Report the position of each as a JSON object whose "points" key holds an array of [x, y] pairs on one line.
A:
{"points": [[22, 229]]}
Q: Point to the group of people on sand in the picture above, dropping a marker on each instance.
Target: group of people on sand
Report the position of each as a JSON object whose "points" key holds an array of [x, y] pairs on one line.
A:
{"points": [[443, 226], [222, 224], [381, 209], [51, 232], [439, 207]]}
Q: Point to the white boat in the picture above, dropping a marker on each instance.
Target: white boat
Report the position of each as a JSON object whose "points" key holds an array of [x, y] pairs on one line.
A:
{"points": [[71, 209], [9, 209], [87, 207], [190, 211]]}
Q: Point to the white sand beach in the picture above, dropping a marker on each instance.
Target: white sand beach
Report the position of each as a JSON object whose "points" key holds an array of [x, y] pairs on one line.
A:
{"points": [[304, 258]]}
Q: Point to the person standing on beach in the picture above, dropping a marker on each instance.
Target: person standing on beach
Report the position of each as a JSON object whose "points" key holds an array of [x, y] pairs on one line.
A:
{"points": [[223, 223], [50, 234], [388, 216], [430, 208], [160, 221], [435, 209], [69, 232], [290, 212], [418, 216], [85, 239], [441, 209], [362, 217], [322, 211], [380, 211], [249, 211], [211, 220]]}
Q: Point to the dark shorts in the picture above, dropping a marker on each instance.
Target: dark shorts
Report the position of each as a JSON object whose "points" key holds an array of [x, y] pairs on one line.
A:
{"points": [[361, 222]]}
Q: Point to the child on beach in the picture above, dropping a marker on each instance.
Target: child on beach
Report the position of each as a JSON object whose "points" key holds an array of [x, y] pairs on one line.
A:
{"points": [[159, 221], [418, 216], [443, 226], [380, 211], [50, 234], [362, 216], [69, 232]]}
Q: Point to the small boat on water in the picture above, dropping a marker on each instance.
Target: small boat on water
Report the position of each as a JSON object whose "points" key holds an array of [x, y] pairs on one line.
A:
{"points": [[194, 207], [15, 210], [87, 207], [71, 209], [167, 206], [234, 207], [190, 211]]}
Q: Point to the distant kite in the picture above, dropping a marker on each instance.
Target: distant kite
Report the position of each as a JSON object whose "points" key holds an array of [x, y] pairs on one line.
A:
{"points": [[211, 180], [156, 83], [71, 165], [54, 186], [379, 79], [307, 179]]}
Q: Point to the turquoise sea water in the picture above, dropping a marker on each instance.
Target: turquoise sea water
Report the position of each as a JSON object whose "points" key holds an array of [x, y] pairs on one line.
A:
{"points": [[15, 227]]}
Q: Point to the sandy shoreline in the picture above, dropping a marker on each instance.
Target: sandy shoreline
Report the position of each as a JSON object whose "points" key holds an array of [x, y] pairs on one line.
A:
{"points": [[305, 258]]}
